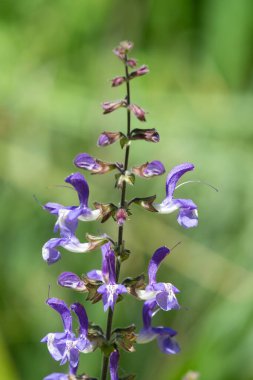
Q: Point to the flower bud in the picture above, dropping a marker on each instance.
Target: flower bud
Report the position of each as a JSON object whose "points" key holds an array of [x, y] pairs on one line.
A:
{"points": [[109, 107], [138, 112], [150, 169], [117, 81], [108, 138], [139, 72], [121, 216], [95, 166], [71, 280], [123, 49], [131, 62], [145, 134]]}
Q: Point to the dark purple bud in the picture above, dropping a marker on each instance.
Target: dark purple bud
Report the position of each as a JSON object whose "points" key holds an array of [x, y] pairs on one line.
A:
{"points": [[121, 216], [145, 134], [150, 169], [95, 166], [138, 112], [117, 81], [109, 107], [131, 62], [108, 138], [139, 72], [71, 280]]}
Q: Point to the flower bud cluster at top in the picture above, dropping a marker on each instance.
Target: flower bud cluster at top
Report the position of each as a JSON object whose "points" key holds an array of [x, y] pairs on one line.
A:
{"points": [[103, 284]]}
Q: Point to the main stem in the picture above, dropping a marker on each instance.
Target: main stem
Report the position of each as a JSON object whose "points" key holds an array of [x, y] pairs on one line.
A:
{"points": [[120, 230]]}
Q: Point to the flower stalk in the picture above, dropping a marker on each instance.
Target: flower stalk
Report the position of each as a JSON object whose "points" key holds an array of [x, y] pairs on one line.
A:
{"points": [[121, 227]]}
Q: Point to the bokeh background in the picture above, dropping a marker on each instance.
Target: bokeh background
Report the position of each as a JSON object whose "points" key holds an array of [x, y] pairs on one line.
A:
{"points": [[55, 66]]}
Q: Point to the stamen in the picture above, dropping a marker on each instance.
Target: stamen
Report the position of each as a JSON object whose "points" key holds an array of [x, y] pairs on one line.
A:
{"points": [[197, 181]]}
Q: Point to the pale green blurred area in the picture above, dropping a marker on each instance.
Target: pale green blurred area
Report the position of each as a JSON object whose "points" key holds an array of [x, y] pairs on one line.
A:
{"points": [[55, 63]]}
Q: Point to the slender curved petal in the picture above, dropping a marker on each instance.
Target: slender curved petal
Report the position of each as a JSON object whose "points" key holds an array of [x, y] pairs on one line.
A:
{"points": [[174, 175], [155, 261], [114, 361], [188, 213]]}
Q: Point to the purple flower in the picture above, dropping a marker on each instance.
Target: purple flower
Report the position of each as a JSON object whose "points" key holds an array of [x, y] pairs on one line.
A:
{"points": [[150, 169], [188, 213], [94, 165], [164, 294], [68, 215], [110, 290], [163, 335], [66, 346], [114, 361], [138, 112], [67, 221]]}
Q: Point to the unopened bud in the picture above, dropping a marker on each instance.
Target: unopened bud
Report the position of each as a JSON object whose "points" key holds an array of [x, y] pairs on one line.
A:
{"points": [[71, 280], [138, 112], [117, 81], [108, 138], [94, 165], [150, 169], [109, 107], [121, 216], [139, 72]]}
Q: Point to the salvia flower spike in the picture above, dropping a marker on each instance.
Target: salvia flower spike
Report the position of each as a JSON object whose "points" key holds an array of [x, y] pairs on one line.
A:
{"points": [[103, 285]]}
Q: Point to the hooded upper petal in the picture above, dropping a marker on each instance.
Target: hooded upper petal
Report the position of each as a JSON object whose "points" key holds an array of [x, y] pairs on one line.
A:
{"points": [[79, 183], [155, 261], [174, 175]]}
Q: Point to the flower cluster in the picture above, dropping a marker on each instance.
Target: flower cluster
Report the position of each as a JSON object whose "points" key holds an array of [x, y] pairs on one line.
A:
{"points": [[103, 285]]}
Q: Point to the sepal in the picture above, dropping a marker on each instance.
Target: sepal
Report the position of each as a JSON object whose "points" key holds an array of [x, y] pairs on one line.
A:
{"points": [[96, 335], [146, 203], [127, 177], [145, 134], [125, 338], [106, 210], [134, 284]]}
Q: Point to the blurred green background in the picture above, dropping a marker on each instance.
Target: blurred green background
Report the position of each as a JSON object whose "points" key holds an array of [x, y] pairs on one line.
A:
{"points": [[55, 63]]}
